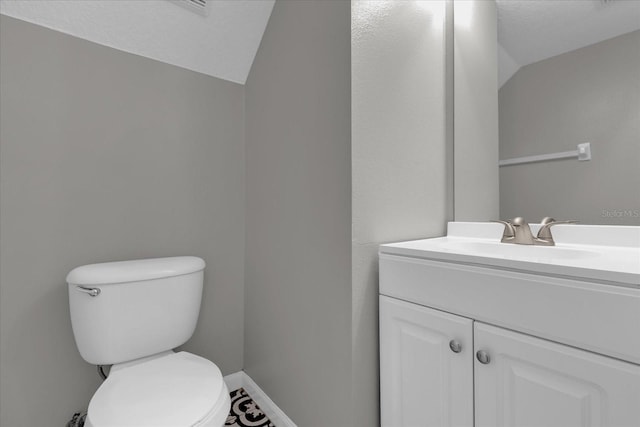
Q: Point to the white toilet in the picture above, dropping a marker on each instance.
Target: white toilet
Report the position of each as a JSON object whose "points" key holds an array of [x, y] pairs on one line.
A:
{"points": [[131, 315]]}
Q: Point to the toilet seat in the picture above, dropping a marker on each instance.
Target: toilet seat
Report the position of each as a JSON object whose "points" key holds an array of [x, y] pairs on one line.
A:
{"points": [[175, 389]]}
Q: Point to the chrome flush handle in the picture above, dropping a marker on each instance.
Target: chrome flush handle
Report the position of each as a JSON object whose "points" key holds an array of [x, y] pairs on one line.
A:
{"points": [[94, 292]]}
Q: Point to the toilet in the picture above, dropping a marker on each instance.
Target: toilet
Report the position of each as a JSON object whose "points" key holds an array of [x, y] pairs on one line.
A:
{"points": [[131, 315]]}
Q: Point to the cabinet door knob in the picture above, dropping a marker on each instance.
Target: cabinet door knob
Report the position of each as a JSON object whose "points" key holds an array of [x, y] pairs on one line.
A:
{"points": [[455, 346], [483, 357]]}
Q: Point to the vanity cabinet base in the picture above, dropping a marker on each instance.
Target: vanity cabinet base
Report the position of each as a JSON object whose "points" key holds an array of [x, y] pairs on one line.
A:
{"points": [[534, 382], [423, 382], [440, 369]]}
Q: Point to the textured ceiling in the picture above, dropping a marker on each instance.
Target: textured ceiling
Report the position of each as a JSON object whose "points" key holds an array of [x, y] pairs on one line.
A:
{"points": [[222, 44], [532, 30]]}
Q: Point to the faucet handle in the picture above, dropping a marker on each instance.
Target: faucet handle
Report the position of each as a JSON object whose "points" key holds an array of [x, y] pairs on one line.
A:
{"points": [[544, 234], [547, 220], [509, 233]]}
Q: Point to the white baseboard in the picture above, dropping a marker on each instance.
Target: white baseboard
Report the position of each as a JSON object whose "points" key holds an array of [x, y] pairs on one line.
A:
{"points": [[234, 381], [242, 380]]}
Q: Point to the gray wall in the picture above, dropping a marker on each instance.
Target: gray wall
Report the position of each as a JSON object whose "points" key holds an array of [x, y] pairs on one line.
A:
{"points": [[107, 156], [476, 110], [587, 95], [298, 245], [401, 164]]}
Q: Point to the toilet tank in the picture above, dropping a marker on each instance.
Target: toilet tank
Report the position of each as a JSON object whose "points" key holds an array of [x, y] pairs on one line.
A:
{"points": [[121, 311]]}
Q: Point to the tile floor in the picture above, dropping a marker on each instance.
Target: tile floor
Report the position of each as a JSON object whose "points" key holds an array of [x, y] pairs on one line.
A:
{"points": [[245, 412]]}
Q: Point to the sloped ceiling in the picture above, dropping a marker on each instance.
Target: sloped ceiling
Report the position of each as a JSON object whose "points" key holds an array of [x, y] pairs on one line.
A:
{"points": [[222, 44], [532, 30]]}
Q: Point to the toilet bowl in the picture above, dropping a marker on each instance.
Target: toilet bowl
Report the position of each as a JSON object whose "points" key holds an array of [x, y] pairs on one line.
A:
{"points": [[172, 389], [131, 315]]}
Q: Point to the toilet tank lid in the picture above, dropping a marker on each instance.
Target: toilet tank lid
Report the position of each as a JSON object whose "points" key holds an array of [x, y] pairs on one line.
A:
{"points": [[135, 270]]}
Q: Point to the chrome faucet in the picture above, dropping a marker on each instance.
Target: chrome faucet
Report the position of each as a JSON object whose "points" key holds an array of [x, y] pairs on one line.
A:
{"points": [[518, 231]]}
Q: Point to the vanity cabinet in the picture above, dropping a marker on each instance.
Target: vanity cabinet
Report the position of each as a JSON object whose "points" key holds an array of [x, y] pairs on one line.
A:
{"points": [[426, 362], [529, 381], [434, 366], [477, 333]]}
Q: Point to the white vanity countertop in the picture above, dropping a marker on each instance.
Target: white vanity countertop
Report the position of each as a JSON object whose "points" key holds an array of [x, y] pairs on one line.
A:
{"points": [[607, 254]]}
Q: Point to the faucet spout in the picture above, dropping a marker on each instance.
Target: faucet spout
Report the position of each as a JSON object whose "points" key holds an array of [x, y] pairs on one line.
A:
{"points": [[523, 235]]}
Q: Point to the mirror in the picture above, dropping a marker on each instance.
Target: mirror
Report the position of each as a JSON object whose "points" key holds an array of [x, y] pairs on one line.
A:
{"points": [[569, 73]]}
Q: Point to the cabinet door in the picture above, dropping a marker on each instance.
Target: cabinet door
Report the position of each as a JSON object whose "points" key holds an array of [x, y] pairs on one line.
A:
{"points": [[423, 382], [528, 381]]}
